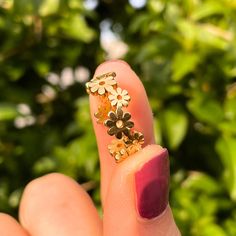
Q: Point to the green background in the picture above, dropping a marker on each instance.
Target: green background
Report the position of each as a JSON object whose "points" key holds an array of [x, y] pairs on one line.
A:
{"points": [[185, 53]]}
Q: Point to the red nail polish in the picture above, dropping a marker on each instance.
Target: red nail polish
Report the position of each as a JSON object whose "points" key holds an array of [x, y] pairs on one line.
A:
{"points": [[152, 186]]}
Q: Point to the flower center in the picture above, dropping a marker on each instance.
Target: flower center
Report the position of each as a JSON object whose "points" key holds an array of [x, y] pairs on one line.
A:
{"points": [[119, 97], [102, 82], [119, 124], [119, 145]]}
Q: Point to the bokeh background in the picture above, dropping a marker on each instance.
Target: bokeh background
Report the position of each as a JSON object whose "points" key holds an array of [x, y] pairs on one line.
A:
{"points": [[185, 54]]}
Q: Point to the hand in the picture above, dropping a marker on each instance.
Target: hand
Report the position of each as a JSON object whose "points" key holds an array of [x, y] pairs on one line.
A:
{"points": [[134, 192]]}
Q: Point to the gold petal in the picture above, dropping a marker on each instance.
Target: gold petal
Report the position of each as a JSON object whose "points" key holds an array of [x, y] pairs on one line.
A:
{"points": [[124, 92], [92, 84], [125, 103], [113, 92], [114, 102], [119, 135], [109, 123], [112, 130], [119, 91], [101, 90], [129, 124], [94, 88], [110, 148], [113, 74], [126, 97], [109, 77], [111, 97], [111, 82], [96, 114], [117, 157], [127, 116], [112, 115], [122, 151], [109, 88]]}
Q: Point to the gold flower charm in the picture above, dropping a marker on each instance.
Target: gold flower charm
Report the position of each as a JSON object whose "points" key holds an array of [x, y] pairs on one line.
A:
{"points": [[135, 143], [111, 99], [138, 137], [119, 123], [119, 97], [103, 110], [117, 149], [101, 84]]}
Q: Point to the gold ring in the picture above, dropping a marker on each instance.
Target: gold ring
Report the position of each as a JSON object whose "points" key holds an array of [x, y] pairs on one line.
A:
{"points": [[110, 113]]}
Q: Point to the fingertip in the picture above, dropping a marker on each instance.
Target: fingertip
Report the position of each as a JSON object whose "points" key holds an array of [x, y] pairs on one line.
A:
{"points": [[9, 226], [49, 200], [142, 182], [117, 61]]}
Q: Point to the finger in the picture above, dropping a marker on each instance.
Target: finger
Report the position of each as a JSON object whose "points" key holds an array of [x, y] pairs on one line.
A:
{"points": [[138, 107], [137, 200], [10, 227], [57, 205]]}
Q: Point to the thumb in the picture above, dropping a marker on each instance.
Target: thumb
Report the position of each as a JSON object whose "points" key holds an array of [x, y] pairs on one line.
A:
{"points": [[137, 200]]}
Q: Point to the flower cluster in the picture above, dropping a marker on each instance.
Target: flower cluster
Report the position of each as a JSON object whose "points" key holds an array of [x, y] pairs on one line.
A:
{"points": [[110, 113]]}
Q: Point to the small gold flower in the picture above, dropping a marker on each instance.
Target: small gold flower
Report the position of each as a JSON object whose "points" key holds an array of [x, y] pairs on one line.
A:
{"points": [[119, 123], [101, 85], [138, 137], [117, 149], [119, 97], [134, 142], [103, 110]]}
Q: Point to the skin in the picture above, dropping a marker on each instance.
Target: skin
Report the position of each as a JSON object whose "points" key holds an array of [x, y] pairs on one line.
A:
{"points": [[56, 205]]}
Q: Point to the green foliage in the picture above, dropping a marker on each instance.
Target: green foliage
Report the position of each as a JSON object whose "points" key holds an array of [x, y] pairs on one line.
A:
{"points": [[174, 123], [185, 53]]}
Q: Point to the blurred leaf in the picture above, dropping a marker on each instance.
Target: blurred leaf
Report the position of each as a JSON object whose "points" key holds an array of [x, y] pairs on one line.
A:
{"points": [[206, 228], [228, 127], [206, 110], [14, 198], [183, 64], [226, 147], [141, 21], [207, 35], [42, 67], [7, 112], [157, 131], [75, 27], [230, 226], [185, 53], [229, 107], [175, 123], [206, 9], [202, 182], [26, 6], [44, 165], [49, 7]]}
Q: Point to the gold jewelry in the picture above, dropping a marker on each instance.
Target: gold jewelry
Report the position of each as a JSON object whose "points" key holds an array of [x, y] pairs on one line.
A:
{"points": [[112, 99]]}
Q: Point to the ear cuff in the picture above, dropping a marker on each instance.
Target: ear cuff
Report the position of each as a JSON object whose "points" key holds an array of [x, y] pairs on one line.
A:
{"points": [[112, 100]]}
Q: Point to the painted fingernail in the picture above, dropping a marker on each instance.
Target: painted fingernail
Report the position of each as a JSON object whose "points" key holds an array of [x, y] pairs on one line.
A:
{"points": [[152, 186]]}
